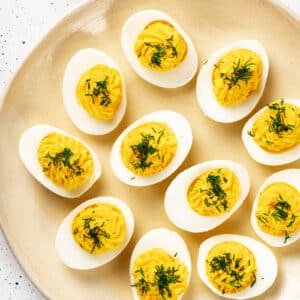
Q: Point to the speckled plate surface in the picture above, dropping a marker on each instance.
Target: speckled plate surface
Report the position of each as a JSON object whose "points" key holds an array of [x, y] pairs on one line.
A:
{"points": [[30, 214]]}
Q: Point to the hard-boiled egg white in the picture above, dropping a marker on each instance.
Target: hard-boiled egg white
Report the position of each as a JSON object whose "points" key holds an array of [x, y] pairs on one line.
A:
{"points": [[292, 177], [183, 132], [265, 261], [204, 88], [262, 156], [71, 253], [166, 239], [82, 61], [174, 78], [176, 203], [28, 149]]}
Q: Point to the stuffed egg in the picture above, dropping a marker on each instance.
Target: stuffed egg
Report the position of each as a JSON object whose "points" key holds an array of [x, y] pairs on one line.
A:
{"points": [[232, 80], [206, 195], [62, 163], [94, 92], [158, 49], [235, 266], [275, 214], [94, 233], [272, 135], [160, 266], [151, 148]]}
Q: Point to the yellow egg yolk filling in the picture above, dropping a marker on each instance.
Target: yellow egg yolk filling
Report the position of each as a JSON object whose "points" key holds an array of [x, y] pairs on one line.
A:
{"points": [[231, 267], [236, 76], [278, 210], [99, 228], [99, 92], [278, 127], [214, 192], [160, 46], [158, 275], [64, 160], [148, 148]]}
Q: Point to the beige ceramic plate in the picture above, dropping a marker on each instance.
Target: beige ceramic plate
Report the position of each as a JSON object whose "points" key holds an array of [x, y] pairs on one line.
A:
{"points": [[30, 214]]}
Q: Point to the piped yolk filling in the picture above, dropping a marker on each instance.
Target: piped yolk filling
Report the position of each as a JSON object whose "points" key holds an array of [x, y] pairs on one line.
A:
{"points": [[236, 76], [99, 228], [214, 192], [99, 92], [64, 160], [160, 46]]}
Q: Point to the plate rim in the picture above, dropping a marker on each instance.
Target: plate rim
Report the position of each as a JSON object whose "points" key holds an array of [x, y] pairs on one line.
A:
{"points": [[287, 12]]}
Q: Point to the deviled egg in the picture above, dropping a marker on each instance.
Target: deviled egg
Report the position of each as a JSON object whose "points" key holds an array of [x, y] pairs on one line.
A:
{"points": [[158, 49], [206, 195], [272, 135], [94, 92], [235, 266], [62, 163], [275, 214], [232, 80], [94, 233], [160, 266], [151, 148]]}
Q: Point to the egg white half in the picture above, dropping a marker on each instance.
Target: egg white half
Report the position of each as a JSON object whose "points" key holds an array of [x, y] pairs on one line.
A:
{"points": [[176, 203], [181, 129], [265, 261], [174, 78], [262, 156], [81, 62], [166, 239], [28, 152], [204, 87], [292, 177], [70, 252]]}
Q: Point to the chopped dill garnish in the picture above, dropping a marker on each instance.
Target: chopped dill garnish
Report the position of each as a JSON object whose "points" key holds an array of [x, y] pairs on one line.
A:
{"points": [[142, 150], [64, 157], [142, 283], [277, 123], [216, 195], [94, 233], [254, 280], [229, 265], [162, 280], [286, 237], [239, 73], [161, 51], [100, 89], [282, 209], [250, 133]]}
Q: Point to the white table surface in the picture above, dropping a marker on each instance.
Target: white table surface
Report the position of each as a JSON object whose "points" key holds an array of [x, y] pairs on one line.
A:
{"points": [[22, 23]]}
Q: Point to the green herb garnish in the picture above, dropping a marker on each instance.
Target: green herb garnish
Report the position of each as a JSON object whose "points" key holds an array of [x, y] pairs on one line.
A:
{"points": [[94, 232], [161, 50], [239, 73], [216, 195], [254, 280], [64, 157], [142, 151], [100, 89], [277, 123], [231, 266], [163, 279]]}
